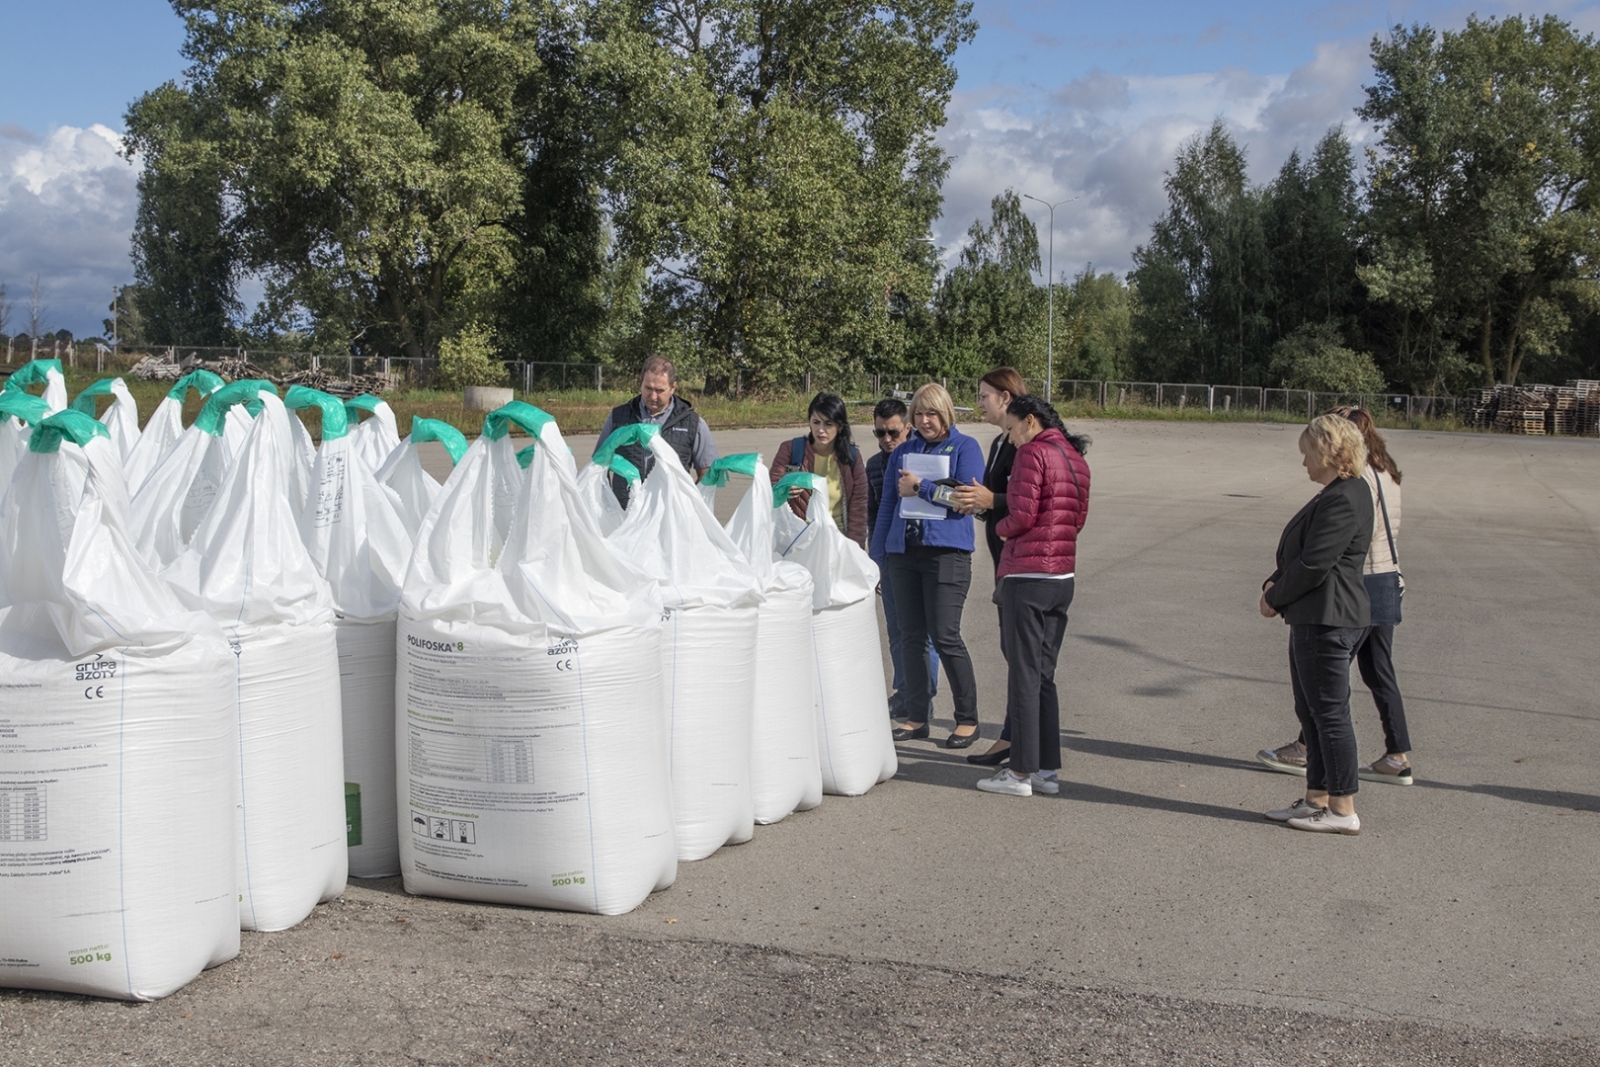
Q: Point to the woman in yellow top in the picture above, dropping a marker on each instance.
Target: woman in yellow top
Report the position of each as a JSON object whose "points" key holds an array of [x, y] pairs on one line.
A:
{"points": [[828, 451]]}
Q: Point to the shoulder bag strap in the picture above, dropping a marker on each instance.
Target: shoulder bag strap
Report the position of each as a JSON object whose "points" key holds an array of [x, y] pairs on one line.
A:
{"points": [[1384, 507]]}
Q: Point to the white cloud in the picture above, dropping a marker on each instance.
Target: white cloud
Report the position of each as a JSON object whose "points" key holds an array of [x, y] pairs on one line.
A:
{"points": [[67, 202], [1111, 139]]}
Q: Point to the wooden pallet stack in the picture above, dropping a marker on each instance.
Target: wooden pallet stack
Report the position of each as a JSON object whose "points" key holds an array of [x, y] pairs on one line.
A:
{"points": [[1586, 409], [1521, 409]]}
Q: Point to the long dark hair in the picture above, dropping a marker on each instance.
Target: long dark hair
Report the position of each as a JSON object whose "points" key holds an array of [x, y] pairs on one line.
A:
{"points": [[832, 408], [1377, 451], [1028, 404]]}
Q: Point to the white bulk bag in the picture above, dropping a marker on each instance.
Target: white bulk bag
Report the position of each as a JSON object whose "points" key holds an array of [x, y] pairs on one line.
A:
{"points": [[414, 488], [785, 772], [248, 568], [19, 413], [165, 425], [711, 597], [374, 440], [121, 419], [119, 753], [360, 545], [177, 495], [854, 737], [531, 745], [594, 486]]}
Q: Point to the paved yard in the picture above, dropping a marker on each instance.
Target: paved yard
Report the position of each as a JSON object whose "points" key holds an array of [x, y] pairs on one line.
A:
{"points": [[1146, 915]]}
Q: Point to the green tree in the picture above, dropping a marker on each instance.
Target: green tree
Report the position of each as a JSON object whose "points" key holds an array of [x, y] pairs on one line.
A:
{"points": [[1094, 327], [372, 152], [1204, 279], [467, 358], [1314, 357], [988, 311], [1485, 234], [772, 167], [185, 260], [1311, 225]]}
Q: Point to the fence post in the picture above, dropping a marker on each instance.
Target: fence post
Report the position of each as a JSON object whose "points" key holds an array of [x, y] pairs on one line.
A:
{"points": [[1158, 396], [1211, 399], [1102, 396]]}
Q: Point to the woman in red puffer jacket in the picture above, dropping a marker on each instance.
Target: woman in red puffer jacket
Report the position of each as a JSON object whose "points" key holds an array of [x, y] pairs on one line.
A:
{"points": [[1048, 500]]}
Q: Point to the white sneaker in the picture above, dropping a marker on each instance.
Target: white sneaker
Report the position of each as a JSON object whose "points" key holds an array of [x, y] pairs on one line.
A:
{"points": [[1048, 786], [1324, 821], [1299, 809], [1006, 782]]}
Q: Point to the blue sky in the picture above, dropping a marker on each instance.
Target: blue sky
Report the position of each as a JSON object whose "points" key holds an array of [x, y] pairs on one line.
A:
{"points": [[1054, 99]]}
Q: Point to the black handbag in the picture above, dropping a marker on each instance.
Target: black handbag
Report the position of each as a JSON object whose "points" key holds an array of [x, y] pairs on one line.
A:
{"points": [[1386, 591]]}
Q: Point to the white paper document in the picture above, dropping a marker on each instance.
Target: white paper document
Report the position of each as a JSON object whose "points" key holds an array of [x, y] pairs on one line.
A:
{"points": [[929, 468]]}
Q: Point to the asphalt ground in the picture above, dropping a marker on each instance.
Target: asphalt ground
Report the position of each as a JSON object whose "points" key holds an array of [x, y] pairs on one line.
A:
{"points": [[1146, 915]]}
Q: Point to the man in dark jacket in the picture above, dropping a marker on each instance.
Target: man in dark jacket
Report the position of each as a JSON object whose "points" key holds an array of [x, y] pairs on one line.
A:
{"points": [[681, 426]]}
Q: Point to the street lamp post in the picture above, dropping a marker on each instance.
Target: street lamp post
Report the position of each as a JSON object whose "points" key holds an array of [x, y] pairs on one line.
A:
{"points": [[1050, 291]]}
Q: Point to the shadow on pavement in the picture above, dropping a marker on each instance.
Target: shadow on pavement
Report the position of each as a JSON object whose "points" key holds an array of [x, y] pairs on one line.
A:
{"points": [[926, 767]]}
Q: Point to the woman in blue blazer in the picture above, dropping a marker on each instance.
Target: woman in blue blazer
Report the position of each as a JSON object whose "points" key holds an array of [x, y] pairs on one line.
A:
{"points": [[928, 562]]}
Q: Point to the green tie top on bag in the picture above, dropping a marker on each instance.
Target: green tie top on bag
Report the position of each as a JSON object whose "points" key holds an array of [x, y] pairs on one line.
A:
{"points": [[454, 442], [201, 381], [245, 391], [34, 372], [84, 401], [717, 474], [75, 426], [637, 433], [798, 479], [335, 420], [24, 406], [498, 423]]}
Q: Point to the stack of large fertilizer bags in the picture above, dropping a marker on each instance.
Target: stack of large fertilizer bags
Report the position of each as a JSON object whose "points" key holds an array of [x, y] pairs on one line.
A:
{"points": [[360, 544], [853, 733], [785, 774], [118, 741], [711, 596], [531, 745]]}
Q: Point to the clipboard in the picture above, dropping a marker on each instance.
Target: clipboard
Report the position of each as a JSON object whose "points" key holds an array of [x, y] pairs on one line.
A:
{"points": [[930, 468]]}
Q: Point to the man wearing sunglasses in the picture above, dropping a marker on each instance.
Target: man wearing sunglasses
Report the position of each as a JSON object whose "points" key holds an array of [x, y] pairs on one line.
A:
{"points": [[890, 426]]}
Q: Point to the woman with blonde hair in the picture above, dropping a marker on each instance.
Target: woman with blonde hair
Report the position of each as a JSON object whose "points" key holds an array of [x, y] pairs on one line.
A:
{"points": [[928, 558], [1317, 588], [1375, 654]]}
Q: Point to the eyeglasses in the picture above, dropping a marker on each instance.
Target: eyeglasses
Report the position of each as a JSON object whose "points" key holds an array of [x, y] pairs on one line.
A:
{"points": [[891, 434]]}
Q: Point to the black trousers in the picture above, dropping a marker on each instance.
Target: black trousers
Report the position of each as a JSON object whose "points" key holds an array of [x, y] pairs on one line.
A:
{"points": [[930, 593], [1375, 660], [1033, 614], [1319, 669]]}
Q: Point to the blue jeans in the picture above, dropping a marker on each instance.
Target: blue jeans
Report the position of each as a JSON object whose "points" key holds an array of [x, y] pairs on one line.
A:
{"points": [[892, 624]]}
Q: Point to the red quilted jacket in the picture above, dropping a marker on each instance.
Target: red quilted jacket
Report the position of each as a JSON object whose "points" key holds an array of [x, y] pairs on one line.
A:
{"points": [[1047, 508]]}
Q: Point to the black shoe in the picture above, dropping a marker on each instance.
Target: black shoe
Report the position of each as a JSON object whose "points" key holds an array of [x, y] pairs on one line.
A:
{"points": [[911, 733], [990, 759], [957, 741]]}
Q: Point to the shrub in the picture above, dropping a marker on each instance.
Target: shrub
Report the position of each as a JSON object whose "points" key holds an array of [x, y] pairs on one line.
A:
{"points": [[468, 359], [1314, 358]]}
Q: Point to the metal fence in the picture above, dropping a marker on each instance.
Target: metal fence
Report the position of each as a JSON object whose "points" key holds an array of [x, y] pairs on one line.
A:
{"points": [[535, 377]]}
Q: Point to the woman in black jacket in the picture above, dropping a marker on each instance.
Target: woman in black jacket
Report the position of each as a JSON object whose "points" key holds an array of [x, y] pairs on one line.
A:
{"points": [[987, 499], [1318, 590]]}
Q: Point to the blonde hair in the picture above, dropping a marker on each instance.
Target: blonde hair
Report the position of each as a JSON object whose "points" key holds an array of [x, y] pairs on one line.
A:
{"points": [[1336, 442], [934, 398]]}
